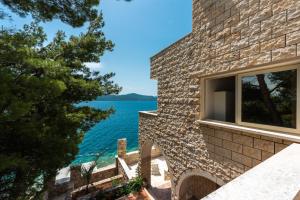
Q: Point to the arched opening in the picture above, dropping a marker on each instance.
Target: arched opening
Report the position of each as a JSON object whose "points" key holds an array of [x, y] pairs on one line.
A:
{"points": [[155, 171], [196, 186]]}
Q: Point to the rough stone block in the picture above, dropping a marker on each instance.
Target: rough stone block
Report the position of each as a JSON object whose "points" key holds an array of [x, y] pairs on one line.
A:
{"points": [[280, 6], [251, 152], [264, 145], [287, 142], [265, 155], [277, 140], [274, 21], [215, 141], [232, 146], [242, 24], [208, 131], [261, 15], [250, 51], [231, 21], [242, 159], [240, 44], [250, 31], [122, 145], [233, 37], [234, 174], [284, 53], [251, 135], [223, 135], [241, 139], [223, 152], [275, 43], [234, 165], [293, 13], [293, 38], [279, 147], [255, 162], [226, 32], [261, 58], [210, 147]]}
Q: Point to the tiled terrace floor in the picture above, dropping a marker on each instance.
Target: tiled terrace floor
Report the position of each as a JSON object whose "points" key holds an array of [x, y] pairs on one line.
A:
{"points": [[161, 188]]}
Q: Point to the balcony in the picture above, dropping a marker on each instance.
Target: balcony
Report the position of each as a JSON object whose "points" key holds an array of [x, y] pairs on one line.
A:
{"points": [[278, 179]]}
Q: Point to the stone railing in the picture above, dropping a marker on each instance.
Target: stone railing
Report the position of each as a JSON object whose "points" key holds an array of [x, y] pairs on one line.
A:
{"points": [[133, 157], [102, 177], [124, 169], [124, 159], [96, 186], [276, 178], [98, 175]]}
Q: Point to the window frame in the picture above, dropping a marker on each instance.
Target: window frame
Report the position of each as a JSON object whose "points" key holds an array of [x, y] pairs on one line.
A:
{"points": [[238, 87], [238, 97]]}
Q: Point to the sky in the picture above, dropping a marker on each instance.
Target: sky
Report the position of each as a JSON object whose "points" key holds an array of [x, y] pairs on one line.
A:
{"points": [[139, 29]]}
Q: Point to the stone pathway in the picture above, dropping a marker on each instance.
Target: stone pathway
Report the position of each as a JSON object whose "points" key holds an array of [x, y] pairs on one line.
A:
{"points": [[162, 192]]}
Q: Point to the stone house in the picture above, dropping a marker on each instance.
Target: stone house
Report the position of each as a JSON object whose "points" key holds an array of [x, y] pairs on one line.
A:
{"points": [[228, 94]]}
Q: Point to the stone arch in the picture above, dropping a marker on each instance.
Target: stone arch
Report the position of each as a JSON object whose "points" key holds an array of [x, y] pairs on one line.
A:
{"points": [[145, 161], [196, 183]]}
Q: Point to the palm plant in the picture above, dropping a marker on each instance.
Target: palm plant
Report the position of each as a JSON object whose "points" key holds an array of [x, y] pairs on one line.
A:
{"points": [[86, 173]]}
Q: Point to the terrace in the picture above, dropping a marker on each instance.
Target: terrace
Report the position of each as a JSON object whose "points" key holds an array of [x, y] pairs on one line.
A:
{"points": [[160, 180]]}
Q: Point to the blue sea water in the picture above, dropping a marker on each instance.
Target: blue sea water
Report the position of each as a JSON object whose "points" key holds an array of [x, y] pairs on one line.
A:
{"points": [[103, 137]]}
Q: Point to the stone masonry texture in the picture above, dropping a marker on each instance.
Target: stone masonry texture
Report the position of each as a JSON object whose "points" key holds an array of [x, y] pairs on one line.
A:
{"points": [[227, 35]]}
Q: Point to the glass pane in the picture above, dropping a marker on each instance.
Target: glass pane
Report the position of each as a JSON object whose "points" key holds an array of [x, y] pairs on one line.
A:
{"points": [[270, 98]]}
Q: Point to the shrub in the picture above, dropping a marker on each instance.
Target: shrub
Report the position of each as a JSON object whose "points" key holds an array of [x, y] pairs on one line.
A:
{"points": [[135, 185]]}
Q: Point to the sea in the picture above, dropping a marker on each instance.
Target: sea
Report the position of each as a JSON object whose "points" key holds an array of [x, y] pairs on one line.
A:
{"points": [[103, 137]]}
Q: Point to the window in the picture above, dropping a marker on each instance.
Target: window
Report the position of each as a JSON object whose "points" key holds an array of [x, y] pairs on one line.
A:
{"points": [[220, 99], [270, 98], [267, 99]]}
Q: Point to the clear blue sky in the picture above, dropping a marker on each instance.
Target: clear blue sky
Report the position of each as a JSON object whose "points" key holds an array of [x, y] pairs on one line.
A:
{"points": [[139, 29]]}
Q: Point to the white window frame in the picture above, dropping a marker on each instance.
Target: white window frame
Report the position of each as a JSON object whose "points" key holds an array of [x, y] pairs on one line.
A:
{"points": [[238, 96]]}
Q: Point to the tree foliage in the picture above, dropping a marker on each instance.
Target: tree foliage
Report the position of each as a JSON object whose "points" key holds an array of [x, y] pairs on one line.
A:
{"points": [[73, 12], [41, 86]]}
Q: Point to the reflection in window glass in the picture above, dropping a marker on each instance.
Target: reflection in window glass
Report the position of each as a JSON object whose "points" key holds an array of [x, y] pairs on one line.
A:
{"points": [[270, 98]]}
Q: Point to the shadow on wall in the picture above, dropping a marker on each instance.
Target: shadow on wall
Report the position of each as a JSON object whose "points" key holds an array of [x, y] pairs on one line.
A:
{"points": [[196, 187]]}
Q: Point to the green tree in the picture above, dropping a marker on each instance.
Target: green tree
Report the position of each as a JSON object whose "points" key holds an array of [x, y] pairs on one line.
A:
{"points": [[41, 86], [73, 12]]}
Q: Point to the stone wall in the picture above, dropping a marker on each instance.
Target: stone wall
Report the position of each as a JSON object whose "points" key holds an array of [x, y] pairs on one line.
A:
{"points": [[227, 36], [237, 151], [232, 34]]}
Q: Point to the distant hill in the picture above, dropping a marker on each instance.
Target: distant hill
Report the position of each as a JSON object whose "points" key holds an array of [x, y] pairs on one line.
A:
{"points": [[127, 97]]}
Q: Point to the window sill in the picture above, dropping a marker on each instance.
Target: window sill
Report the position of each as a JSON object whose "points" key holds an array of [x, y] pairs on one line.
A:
{"points": [[231, 126]]}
